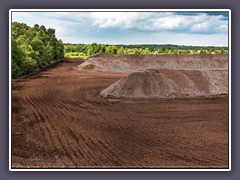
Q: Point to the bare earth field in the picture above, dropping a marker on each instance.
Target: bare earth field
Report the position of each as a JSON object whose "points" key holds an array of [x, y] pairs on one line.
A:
{"points": [[60, 120]]}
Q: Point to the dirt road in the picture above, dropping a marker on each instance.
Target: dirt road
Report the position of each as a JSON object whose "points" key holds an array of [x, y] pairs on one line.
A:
{"points": [[60, 120]]}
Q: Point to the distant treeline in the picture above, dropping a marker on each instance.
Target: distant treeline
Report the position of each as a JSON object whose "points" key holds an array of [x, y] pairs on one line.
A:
{"points": [[33, 48], [172, 46], [36, 47], [86, 50]]}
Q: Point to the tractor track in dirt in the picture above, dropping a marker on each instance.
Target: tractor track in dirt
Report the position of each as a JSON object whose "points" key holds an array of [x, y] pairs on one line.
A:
{"points": [[59, 120]]}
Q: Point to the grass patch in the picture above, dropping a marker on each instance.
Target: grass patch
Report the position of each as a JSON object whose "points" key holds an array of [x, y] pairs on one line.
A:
{"points": [[76, 55]]}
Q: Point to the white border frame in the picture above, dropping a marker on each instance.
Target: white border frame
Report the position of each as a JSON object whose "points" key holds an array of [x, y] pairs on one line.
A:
{"points": [[125, 10]]}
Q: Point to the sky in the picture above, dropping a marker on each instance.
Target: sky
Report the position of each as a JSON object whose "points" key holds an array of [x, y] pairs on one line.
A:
{"points": [[180, 28]]}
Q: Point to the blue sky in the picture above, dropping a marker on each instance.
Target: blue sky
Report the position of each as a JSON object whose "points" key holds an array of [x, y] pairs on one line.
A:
{"points": [[181, 28]]}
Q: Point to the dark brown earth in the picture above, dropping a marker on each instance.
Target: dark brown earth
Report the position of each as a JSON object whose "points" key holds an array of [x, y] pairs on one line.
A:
{"points": [[59, 120]]}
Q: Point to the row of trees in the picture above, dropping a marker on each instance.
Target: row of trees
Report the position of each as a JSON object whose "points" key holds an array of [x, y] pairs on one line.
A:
{"points": [[90, 49], [36, 47], [171, 46], [33, 48]]}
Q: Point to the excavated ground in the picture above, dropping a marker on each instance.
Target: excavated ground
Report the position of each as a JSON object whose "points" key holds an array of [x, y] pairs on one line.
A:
{"points": [[167, 83], [132, 63], [60, 120]]}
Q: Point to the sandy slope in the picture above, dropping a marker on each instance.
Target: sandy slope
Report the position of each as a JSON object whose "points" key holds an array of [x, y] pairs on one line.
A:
{"points": [[167, 83], [132, 63]]}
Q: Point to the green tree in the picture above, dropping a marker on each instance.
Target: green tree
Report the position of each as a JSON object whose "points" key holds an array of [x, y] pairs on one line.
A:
{"points": [[33, 48], [146, 51], [120, 50], [136, 51], [222, 51], [111, 49]]}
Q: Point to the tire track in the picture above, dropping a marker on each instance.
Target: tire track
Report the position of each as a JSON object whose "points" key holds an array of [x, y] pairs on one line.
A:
{"points": [[65, 116], [57, 141]]}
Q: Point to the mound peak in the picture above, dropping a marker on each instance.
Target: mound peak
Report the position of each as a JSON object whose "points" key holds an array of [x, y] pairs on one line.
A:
{"points": [[166, 83]]}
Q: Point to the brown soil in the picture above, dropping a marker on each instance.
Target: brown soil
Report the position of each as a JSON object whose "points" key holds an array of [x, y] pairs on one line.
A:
{"points": [[60, 120]]}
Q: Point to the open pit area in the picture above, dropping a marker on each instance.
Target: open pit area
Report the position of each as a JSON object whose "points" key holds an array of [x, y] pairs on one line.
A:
{"points": [[66, 117]]}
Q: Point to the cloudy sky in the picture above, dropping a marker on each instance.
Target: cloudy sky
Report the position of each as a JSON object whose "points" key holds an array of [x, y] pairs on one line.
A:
{"points": [[181, 28]]}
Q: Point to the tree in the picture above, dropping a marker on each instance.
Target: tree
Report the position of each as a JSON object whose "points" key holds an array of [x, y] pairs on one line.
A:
{"points": [[33, 48], [102, 48], [136, 51], [111, 49], [202, 51], [223, 51], [170, 51], [146, 51], [120, 50]]}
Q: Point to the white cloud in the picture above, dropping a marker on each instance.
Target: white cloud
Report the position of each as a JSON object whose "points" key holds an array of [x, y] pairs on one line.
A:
{"points": [[201, 26], [132, 27], [118, 19], [159, 21], [167, 23]]}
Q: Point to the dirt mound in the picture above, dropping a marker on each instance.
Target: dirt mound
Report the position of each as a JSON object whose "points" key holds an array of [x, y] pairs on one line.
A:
{"points": [[165, 83], [131, 63]]}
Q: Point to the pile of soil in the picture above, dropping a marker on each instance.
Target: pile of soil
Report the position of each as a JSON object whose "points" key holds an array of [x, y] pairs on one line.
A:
{"points": [[131, 63], [167, 83]]}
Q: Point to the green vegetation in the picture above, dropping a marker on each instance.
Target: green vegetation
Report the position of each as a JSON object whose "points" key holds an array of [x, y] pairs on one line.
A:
{"points": [[36, 47], [86, 50], [33, 48], [75, 54]]}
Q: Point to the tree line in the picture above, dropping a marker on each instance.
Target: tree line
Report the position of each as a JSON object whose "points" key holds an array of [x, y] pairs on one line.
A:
{"points": [[33, 48], [172, 46], [36, 47], [86, 50]]}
